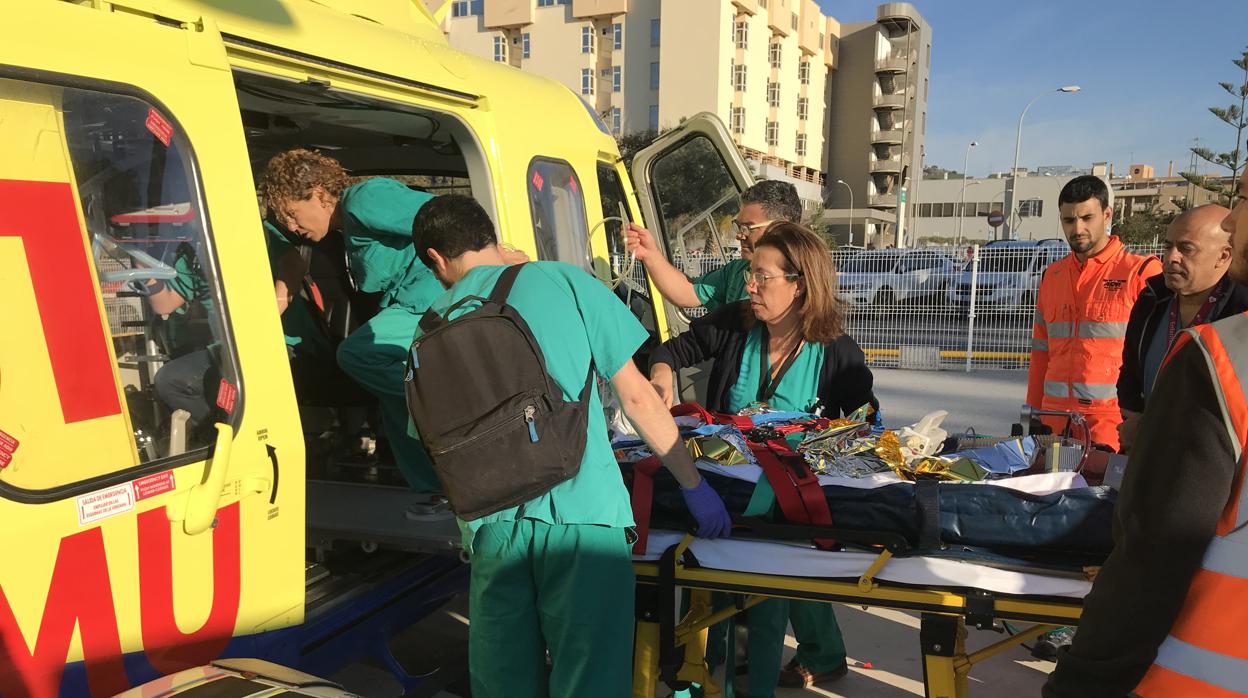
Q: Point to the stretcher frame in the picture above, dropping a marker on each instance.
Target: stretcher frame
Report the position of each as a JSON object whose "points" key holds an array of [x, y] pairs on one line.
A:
{"points": [[945, 613]]}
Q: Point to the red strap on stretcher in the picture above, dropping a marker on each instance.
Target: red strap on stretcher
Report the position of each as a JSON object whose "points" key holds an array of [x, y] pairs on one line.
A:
{"points": [[796, 488]]}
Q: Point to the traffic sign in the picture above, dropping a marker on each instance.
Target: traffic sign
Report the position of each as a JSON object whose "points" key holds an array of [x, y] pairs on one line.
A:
{"points": [[996, 218]]}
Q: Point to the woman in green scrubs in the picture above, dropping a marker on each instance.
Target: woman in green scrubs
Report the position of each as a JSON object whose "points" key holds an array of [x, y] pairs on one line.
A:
{"points": [[786, 348]]}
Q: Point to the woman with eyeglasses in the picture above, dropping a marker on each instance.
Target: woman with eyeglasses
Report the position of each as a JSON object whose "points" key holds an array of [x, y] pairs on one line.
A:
{"points": [[785, 349]]}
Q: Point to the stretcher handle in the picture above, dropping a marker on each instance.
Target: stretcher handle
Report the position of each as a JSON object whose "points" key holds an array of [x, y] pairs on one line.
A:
{"points": [[869, 541]]}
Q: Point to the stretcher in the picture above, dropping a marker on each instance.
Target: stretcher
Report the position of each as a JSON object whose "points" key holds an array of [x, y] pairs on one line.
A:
{"points": [[948, 594]]}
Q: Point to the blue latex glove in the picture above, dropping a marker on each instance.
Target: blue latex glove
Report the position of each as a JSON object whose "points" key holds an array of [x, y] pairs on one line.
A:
{"points": [[708, 510]]}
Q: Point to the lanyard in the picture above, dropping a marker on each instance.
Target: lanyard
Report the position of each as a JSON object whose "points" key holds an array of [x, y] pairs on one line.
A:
{"points": [[766, 384], [1201, 315]]}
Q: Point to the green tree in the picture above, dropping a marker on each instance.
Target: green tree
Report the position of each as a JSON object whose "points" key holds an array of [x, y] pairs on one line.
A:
{"points": [[1143, 228], [1234, 116]]}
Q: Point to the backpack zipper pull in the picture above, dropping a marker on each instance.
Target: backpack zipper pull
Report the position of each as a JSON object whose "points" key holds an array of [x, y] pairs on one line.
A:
{"points": [[530, 416]]}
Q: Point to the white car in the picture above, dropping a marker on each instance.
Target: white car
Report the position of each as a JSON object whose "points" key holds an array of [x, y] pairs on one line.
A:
{"points": [[1009, 274], [887, 277]]}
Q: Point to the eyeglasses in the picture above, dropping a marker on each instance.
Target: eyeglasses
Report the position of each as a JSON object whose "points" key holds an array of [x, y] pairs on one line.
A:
{"points": [[745, 228], [759, 278]]}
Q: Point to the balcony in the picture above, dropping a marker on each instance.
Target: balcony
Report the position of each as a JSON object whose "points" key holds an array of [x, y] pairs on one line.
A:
{"points": [[890, 137], [893, 101], [883, 201], [892, 64], [597, 8], [888, 166]]}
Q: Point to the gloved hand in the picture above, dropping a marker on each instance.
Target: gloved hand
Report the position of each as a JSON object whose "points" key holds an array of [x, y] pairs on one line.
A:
{"points": [[708, 510]]}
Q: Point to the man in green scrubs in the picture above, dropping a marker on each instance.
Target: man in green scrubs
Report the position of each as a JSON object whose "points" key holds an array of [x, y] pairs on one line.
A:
{"points": [[555, 573], [762, 204], [312, 195]]}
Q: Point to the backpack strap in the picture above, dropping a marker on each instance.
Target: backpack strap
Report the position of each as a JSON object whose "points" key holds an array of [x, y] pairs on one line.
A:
{"points": [[431, 321], [502, 287]]}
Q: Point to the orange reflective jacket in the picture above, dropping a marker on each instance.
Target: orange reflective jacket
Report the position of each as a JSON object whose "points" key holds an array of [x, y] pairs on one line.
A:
{"points": [[1206, 652], [1078, 332]]}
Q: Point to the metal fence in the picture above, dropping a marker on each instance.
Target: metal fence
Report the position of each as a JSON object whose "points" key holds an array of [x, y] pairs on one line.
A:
{"points": [[959, 308]]}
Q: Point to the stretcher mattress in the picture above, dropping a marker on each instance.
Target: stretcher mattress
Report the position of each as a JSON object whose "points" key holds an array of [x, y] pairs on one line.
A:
{"points": [[763, 557]]}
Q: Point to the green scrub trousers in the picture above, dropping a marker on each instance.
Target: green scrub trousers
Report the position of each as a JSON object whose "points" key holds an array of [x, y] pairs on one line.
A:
{"points": [[564, 588]]}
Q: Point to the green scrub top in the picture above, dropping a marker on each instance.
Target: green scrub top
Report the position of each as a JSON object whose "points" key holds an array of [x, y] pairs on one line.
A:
{"points": [[799, 388], [377, 219], [573, 317], [298, 325], [723, 286], [189, 327]]}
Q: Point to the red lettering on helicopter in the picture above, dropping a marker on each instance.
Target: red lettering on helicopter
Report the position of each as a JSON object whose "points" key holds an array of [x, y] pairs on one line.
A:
{"points": [[43, 216], [80, 594]]}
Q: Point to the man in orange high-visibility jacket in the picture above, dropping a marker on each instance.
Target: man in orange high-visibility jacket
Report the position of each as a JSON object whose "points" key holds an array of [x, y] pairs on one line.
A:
{"points": [[1082, 309], [1168, 612]]}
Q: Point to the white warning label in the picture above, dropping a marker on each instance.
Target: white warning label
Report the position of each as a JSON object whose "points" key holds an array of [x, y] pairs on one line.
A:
{"points": [[102, 504]]}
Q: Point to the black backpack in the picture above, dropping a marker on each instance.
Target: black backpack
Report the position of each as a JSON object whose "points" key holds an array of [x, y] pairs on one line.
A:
{"points": [[492, 418]]}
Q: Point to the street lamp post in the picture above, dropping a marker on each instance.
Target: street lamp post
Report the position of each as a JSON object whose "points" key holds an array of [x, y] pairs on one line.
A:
{"points": [[1018, 141], [962, 197], [851, 215]]}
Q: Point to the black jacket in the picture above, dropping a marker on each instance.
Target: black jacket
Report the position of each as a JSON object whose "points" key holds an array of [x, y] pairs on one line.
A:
{"points": [[844, 384], [1146, 318], [1179, 477]]}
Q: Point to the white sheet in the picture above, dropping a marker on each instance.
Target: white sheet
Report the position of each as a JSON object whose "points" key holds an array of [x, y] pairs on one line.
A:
{"points": [[802, 561]]}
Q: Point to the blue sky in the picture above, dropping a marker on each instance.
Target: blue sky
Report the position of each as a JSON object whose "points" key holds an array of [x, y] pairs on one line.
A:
{"points": [[1148, 68]]}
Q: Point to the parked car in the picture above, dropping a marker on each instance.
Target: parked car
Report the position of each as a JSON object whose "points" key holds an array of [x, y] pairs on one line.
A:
{"points": [[1009, 273], [886, 277]]}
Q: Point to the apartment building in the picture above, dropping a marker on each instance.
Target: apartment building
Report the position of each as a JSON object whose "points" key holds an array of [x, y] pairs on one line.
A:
{"points": [[760, 65], [945, 209], [877, 116]]}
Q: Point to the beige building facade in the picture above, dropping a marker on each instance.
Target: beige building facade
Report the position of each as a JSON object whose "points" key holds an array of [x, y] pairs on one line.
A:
{"points": [[761, 66]]}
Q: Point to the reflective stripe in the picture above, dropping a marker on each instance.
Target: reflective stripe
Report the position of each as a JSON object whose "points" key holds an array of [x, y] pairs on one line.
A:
{"points": [[1037, 319], [1094, 391], [1056, 389], [1219, 670], [1103, 330], [1226, 556], [1039, 344], [1060, 330]]}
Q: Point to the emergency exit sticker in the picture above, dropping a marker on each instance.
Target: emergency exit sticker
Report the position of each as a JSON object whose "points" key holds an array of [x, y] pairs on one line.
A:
{"points": [[159, 126], [101, 504], [8, 445], [227, 394], [153, 485]]}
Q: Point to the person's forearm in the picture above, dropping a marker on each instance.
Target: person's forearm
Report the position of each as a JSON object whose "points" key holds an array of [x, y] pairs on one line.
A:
{"points": [[660, 372], [672, 283], [656, 427]]}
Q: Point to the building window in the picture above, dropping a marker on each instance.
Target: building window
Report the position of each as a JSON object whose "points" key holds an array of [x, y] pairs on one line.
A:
{"points": [[773, 54], [477, 8], [738, 78], [803, 108], [794, 23], [617, 78], [587, 40], [821, 40], [773, 93], [459, 8], [654, 75], [615, 121], [738, 119], [741, 34], [617, 36], [773, 132], [762, 4], [587, 81], [500, 49], [654, 117], [1031, 208], [524, 45], [545, 3], [801, 144], [654, 32], [925, 210], [803, 71]]}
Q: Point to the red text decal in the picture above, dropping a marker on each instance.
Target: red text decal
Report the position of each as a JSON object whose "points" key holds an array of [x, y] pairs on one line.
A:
{"points": [[159, 126]]}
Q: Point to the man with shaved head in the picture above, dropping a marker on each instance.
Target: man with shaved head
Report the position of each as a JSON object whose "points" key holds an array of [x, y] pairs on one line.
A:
{"points": [[1193, 289]]}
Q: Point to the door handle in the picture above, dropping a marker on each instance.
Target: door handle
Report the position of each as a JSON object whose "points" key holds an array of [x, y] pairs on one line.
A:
{"points": [[198, 511]]}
